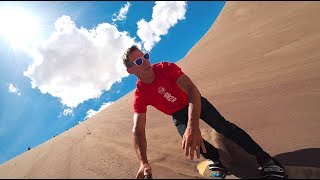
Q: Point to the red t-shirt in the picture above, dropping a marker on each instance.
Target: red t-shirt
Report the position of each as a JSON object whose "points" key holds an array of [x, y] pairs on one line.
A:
{"points": [[163, 93]]}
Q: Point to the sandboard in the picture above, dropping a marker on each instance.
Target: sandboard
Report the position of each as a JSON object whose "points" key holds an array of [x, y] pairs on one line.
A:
{"points": [[203, 169]]}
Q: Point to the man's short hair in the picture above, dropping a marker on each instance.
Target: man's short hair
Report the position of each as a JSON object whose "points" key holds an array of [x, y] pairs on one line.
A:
{"points": [[125, 59]]}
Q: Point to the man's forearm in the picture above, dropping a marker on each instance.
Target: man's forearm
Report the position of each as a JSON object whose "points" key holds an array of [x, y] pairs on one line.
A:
{"points": [[140, 145], [194, 110]]}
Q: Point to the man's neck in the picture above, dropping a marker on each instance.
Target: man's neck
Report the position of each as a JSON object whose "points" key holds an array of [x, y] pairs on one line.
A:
{"points": [[148, 79]]}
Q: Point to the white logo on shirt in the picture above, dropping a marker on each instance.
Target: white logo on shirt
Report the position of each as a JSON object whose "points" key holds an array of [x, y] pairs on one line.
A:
{"points": [[161, 90], [166, 95]]}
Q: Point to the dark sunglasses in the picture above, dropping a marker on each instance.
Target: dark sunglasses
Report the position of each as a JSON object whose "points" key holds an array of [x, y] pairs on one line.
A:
{"points": [[139, 61]]}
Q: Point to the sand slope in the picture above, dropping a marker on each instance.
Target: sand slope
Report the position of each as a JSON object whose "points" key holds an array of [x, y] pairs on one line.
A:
{"points": [[259, 65]]}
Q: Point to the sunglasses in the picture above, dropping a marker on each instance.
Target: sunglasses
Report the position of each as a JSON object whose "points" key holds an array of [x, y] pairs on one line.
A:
{"points": [[139, 61]]}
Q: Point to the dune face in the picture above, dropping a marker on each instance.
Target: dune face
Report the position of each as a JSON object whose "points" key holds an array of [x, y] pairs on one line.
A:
{"points": [[258, 64]]}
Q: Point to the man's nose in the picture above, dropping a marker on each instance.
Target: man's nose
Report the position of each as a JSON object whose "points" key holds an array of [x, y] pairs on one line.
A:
{"points": [[143, 61]]}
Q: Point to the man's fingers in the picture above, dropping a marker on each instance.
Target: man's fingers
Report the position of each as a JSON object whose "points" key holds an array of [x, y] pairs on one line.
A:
{"points": [[192, 149], [187, 145], [149, 176], [198, 151], [140, 175], [203, 147], [147, 171], [144, 170]]}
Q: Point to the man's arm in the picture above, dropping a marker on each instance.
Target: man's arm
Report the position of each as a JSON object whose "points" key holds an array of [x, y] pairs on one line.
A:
{"points": [[194, 98], [192, 136], [139, 137]]}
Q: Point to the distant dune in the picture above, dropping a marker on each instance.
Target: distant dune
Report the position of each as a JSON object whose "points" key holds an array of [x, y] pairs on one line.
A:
{"points": [[259, 64]]}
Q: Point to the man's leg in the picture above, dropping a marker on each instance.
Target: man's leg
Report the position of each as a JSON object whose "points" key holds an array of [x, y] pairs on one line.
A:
{"points": [[213, 118]]}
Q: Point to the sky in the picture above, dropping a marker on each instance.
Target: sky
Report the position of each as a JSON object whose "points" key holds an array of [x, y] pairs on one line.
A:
{"points": [[60, 62]]}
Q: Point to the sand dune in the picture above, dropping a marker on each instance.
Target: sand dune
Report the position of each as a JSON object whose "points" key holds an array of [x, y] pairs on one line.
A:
{"points": [[258, 64]]}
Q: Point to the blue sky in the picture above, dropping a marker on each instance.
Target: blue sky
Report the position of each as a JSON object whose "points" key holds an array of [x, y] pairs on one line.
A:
{"points": [[61, 61]]}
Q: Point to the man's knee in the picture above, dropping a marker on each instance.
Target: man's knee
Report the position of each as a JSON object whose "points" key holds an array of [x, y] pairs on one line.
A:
{"points": [[225, 127]]}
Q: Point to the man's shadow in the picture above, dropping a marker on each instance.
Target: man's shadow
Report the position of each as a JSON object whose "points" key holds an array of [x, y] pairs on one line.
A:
{"points": [[304, 157], [244, 165]]}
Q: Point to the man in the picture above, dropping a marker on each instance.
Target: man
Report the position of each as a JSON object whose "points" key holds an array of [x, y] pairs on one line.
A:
{"points": [[168, 89]]}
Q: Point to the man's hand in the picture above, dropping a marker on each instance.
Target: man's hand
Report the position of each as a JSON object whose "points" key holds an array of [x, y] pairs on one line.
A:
{"points": [[144, 170], [192, 139]]}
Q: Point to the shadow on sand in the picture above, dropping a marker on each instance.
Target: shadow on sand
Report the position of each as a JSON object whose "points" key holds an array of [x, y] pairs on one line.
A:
{"points": [[245, 166], [305, 157]]}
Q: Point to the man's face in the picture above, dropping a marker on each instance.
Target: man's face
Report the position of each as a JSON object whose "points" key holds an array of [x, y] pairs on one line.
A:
{"points": [[142, 70]]}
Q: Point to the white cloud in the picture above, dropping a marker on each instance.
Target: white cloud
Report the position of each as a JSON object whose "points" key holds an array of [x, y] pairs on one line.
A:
{"points": [[122, 15], [13, 89], [77, 64], [68, 112], [92, 112], [165, 15]]}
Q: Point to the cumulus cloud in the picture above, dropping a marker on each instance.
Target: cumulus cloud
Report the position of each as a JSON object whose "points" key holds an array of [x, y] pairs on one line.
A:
{"points": [[122, 15], [13, 89], [92, 112], [165, 15], [76, 64], [67, 112]]}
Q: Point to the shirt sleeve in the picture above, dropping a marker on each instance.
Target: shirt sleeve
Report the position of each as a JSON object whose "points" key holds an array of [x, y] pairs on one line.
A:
{"points": [[139, 103], [174, 71]]}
